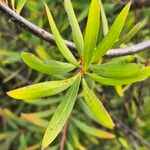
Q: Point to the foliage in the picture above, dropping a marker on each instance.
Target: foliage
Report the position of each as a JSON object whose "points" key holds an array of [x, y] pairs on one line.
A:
{"points": [[88, 67]]}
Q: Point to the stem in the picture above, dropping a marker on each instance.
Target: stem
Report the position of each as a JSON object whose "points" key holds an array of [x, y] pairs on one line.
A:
{"points": [[48, 37]]}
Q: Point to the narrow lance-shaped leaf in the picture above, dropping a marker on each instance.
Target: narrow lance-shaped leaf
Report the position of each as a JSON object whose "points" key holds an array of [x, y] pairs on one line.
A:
{"points": [[117, 70], [58, 39], [88, 111], [110, 39], [91, 32], [61, 114], [93, 131], [104, 20], [128, 36], [97, 107], [76, 32], [74, 137], [20, 5], [42, 53], [49, 67], [43, 102], [41, 89], [143, 74], [35, 120], [13, 4]]}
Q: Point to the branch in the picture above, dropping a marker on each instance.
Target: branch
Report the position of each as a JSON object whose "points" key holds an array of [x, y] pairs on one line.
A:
{"points": [[129, 50], [128, 131], [48, 37], [63, 138]]}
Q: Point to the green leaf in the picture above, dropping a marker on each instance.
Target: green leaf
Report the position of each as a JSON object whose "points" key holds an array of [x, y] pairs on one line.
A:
{"points": [[42, 53], [74, 137], [58, 39], [35, 120], [43, 89], [13, 4], [117, 70], [93, 131], [43, 102], [76, 32], [20, 5], [61, 114], [110, 39], [97, 107], [104, 20], [49, 67], [128, 36], [91, 32], [40, 114], [143, 74], [122, 59], [88, 111]]}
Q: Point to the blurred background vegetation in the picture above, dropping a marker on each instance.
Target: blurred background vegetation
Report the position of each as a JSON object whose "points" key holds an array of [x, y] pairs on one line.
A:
{"points": [[22, 128]]}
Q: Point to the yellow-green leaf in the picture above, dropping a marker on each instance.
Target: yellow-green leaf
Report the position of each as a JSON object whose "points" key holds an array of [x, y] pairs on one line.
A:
{"points": [[91, 32], [143, 74], [128, 36], [104, 20], [93, 131], [42, 53], [117, 70], [76, 32], [97, 107], [41, 89], [113, 34], [49, 66], [61, 114], [20, 5], [13, 4], [35, 120], [58, 39]]}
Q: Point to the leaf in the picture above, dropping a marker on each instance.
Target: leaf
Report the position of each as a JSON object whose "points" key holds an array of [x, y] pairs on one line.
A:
{"points": [[49, 67], [43, 102], [117, 70], [119, 90], [41, 114], [122, 59], [91, 32], [42, 53], [112, 35], [58, 39], [87, 111], [104, 20], [128, 36], [76, 32], [61, 114], [143, 74], [97, 107], [19, 121], [93, 131], [74, 137], [13, 4], [20, 5], [35, 120], [43, 89], [69, 146]]}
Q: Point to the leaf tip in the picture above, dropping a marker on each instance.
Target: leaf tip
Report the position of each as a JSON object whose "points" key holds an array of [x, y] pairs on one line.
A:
{"points": [[10, 94]]}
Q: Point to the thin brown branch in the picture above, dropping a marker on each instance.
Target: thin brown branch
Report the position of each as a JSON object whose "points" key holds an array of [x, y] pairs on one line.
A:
{"points": [[46, 36], [63, 138]]}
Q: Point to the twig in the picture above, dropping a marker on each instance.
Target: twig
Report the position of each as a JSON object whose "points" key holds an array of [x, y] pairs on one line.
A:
{"points": [[48, 37], [127, 131], [129, 50], [63, 138]]}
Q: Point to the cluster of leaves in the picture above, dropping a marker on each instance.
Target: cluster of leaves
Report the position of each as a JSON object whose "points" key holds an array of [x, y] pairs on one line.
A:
{"points": [[120, 71]]}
